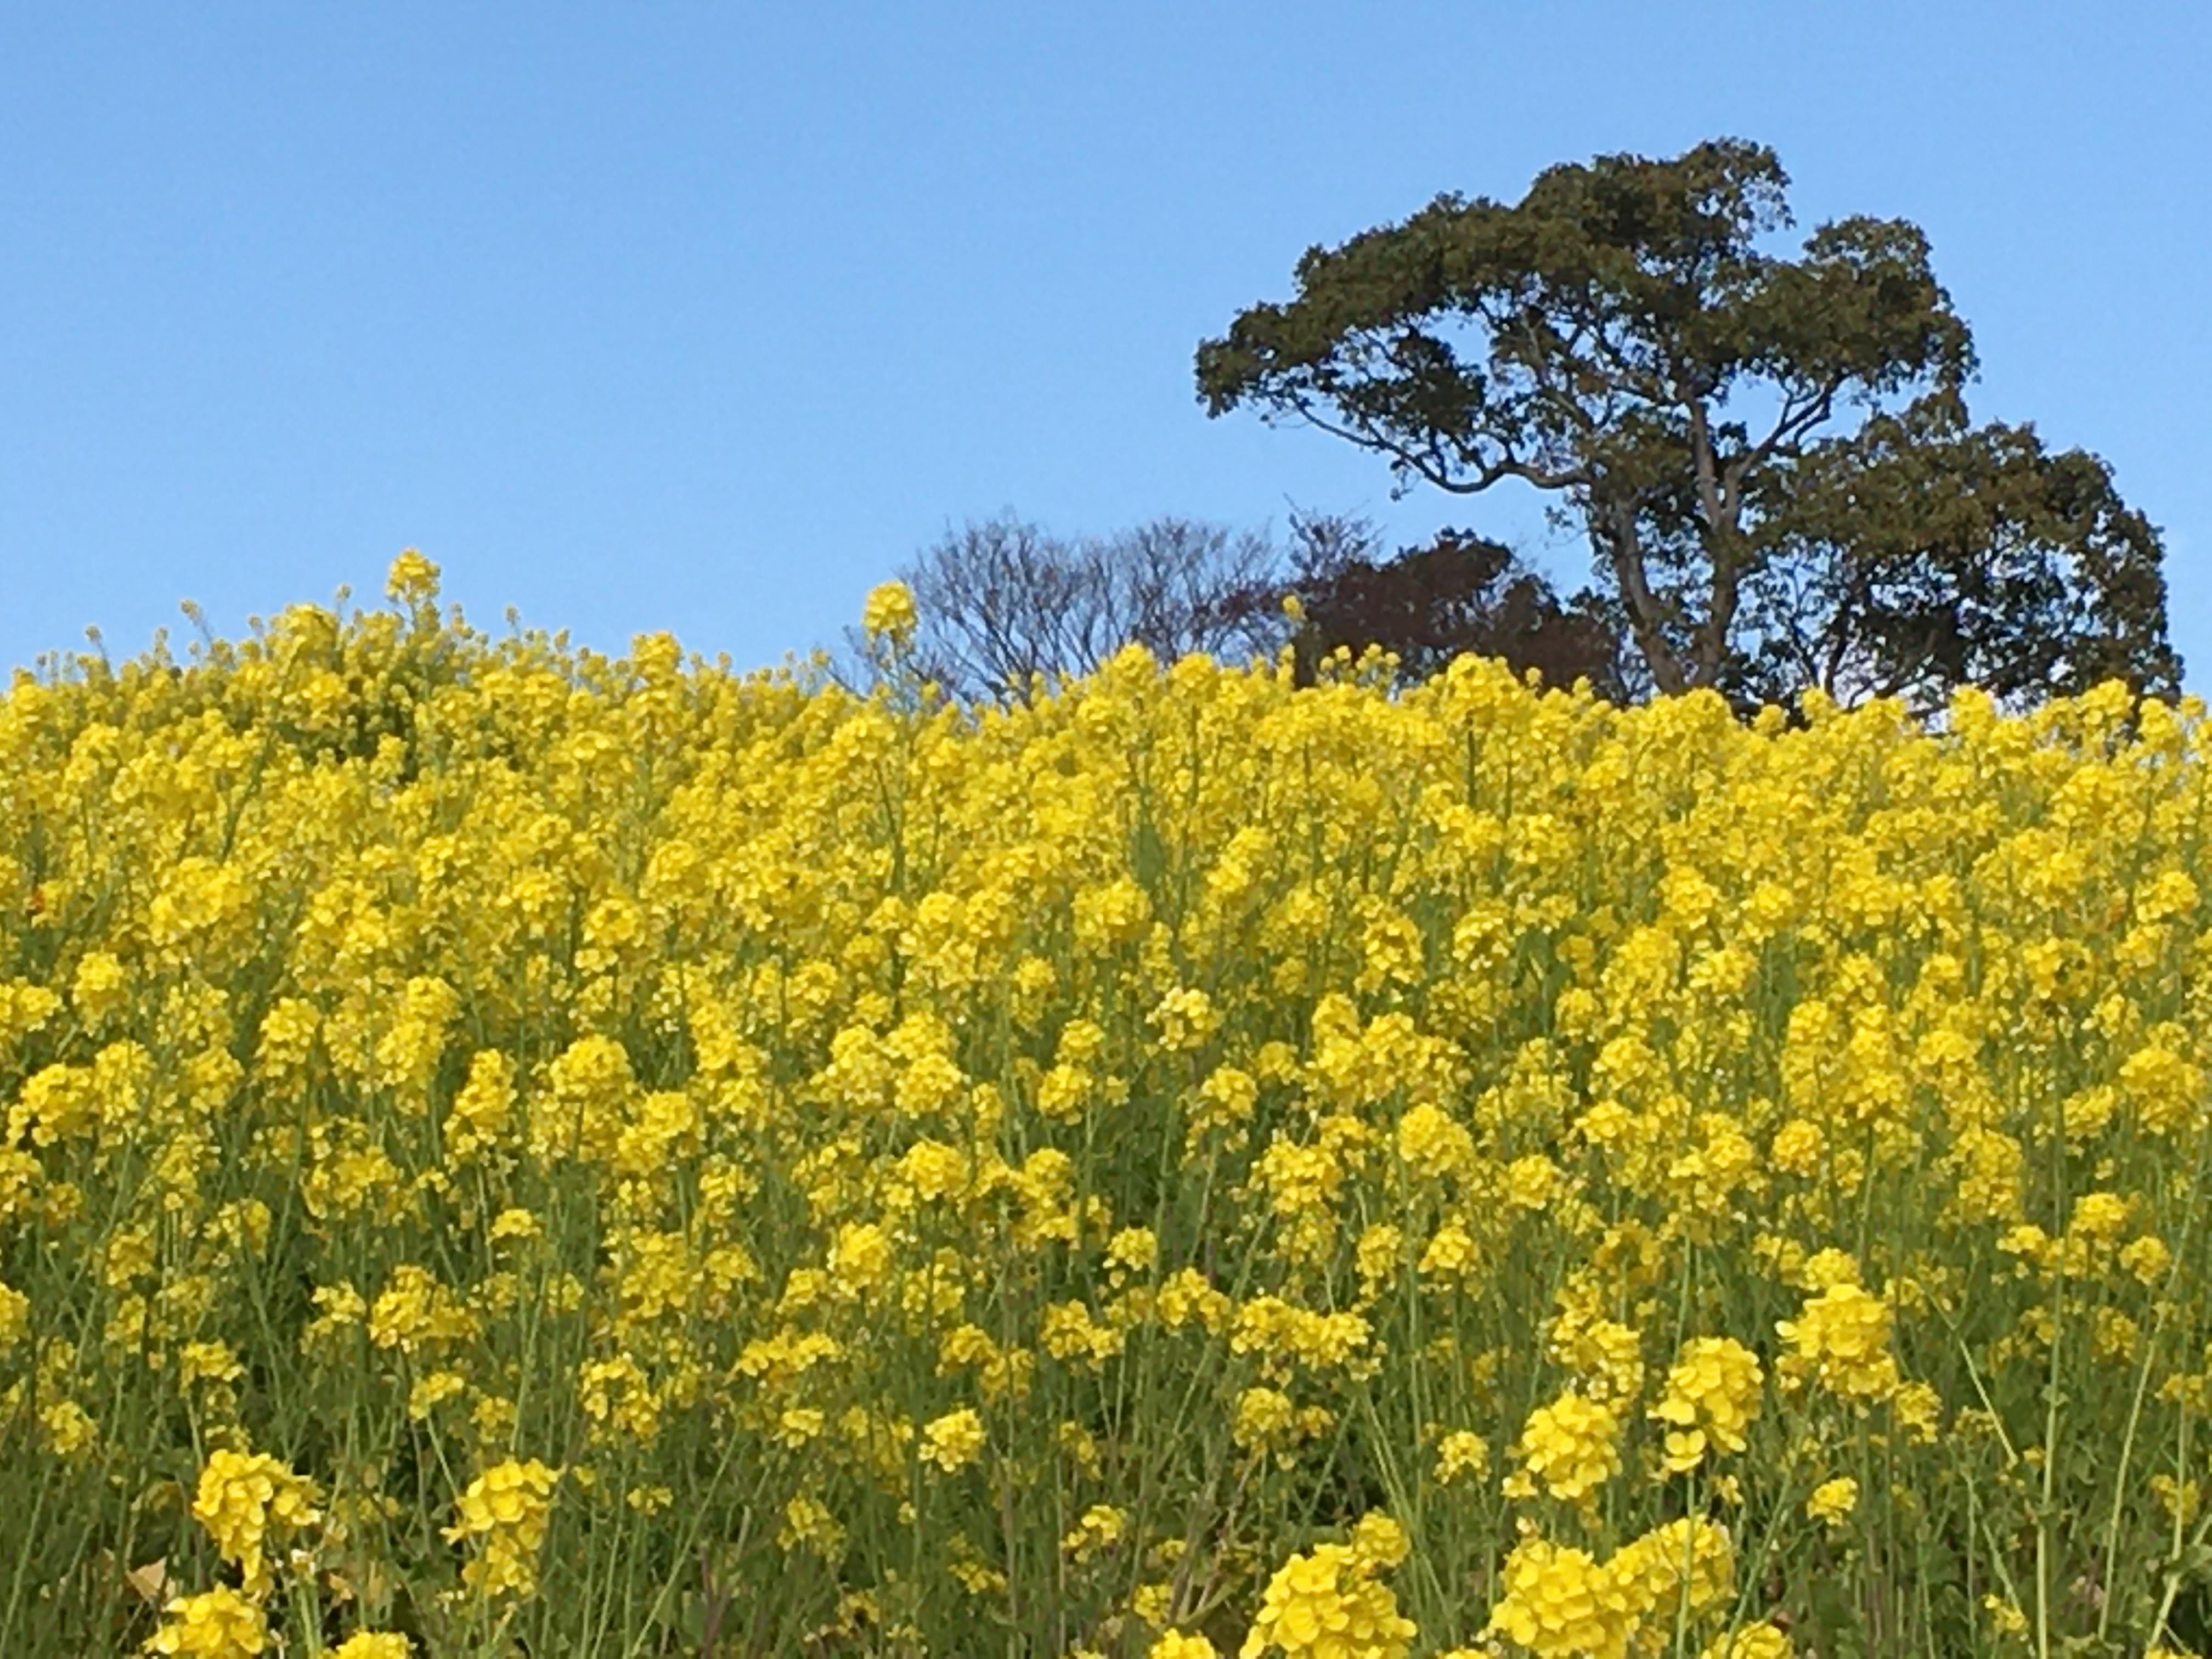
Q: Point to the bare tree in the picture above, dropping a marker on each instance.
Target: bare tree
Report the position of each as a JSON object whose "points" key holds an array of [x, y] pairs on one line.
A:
{"points": [[1324, 545], [1001, 601]]}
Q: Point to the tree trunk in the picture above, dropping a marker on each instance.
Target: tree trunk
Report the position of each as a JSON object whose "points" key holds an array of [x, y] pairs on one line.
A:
{"points": [[1613, 528]]}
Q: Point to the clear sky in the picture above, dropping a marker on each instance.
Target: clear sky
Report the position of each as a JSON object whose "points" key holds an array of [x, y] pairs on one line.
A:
{"points": [[703, 317]]}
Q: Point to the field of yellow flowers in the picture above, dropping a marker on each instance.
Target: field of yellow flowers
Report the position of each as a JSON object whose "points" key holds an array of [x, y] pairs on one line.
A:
{"points": [[513, 1152]]}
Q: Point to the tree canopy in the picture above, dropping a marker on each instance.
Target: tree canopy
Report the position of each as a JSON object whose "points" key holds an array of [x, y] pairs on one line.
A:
{"points": [[1769, 452], [1460, 592]]}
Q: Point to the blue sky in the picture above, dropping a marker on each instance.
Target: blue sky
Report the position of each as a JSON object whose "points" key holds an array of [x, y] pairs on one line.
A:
{"points": [[703, 317]]}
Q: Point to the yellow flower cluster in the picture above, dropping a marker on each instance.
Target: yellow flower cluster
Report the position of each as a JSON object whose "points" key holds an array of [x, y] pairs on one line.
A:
{"points": [[503, 1515], [889, 612], [953, 1441], [242, 1497], [1067, 1169], [1711, 1394], [1329, 1604], [1832, 1501], [246, 1500], [217, 1624], [1841, 1339], [372, 1644], [1570, 1447], [1561, 1603]]}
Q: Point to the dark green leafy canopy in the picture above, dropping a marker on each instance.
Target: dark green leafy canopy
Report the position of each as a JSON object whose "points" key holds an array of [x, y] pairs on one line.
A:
{"points": [[1922, 554], [1621, 337]]}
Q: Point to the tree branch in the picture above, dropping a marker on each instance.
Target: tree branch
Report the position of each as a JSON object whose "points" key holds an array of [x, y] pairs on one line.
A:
{"points": [[1486, 473]]}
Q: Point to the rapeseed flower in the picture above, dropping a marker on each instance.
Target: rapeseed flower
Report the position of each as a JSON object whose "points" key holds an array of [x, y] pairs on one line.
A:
{"points": [[1841, 1339], [889, 612], [503, 1516], [1194, 1102], [243, 1498], [1710, 1396], [953, 1441], [1571, 1447], [217, 1624], [372, 1644], [1832, 1501], [1326, 1603]]}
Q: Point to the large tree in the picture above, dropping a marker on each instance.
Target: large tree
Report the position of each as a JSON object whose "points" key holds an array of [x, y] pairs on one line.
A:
{"points": [[1769, 452]]}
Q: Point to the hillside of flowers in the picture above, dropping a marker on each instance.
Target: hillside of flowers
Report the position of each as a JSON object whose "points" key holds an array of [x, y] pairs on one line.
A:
{"points": [[514, 1152]]}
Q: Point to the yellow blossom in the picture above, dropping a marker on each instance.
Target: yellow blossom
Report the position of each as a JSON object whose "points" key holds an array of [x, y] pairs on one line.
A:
{"points": [[889, 612], [503, 1514], [1326, 1603], [372, 1644], [1832, 1501], [243, 1498], [1572, 1446], [218, 1624], [953, 1441]]}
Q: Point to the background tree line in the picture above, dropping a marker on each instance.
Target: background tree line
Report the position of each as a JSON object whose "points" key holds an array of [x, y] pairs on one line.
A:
{"points": [[1767, 452], [1002, 600]]}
